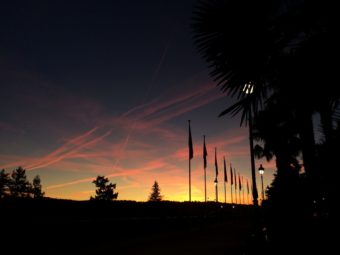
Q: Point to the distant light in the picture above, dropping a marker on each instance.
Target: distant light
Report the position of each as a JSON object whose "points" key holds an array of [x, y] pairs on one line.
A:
{"points": [[248, 88], [222, 206], [233, 206], [323, 198], [314, 201], [261, 169]]}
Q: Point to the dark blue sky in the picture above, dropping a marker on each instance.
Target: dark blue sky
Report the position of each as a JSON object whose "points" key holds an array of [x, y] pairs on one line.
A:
{"points": [[108, 43], [106, 87]]}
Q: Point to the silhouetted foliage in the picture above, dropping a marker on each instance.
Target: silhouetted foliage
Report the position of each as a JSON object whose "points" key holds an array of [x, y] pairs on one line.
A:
{"points": [[285, 190], [105, 190], [237, 40], [4, 184], [20, 186], [155, 195], [275, 128], [284, 49], [37, 188]]}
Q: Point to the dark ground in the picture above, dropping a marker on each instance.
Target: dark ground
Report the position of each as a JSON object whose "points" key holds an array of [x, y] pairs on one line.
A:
{"points": [[69, 227], [51, 226]]}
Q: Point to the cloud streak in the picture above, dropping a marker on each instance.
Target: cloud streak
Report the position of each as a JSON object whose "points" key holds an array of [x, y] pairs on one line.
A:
{"points": [[148, 117], [69, 149], [151, 165]]}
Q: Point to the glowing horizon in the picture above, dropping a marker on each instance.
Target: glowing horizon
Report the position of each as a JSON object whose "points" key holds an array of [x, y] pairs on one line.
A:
{"points": [[107, 101], [93, 151]]}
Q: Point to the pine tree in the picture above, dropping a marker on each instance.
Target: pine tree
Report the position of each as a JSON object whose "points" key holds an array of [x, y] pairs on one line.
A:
{"points": [[4, 183], [37, 188], [20, 186], [155, 195], [105, 190]]}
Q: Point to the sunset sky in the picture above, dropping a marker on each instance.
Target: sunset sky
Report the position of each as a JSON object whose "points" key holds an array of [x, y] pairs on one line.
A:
{"points": [[106, 88]]}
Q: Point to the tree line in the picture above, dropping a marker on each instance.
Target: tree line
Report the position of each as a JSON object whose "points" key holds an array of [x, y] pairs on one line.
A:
{"points": [[16, 184], [105, 190]]}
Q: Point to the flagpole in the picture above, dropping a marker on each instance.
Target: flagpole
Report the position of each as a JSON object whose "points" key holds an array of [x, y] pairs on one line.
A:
{"points": [[231, 192], [189, 180], [216, 191], [225, 194], [248, 192], [205, 169], [239, 194], [205, 184], [190, 156], [225, 180], [231, 183], [239, 189], [235, 185], [243, 191], [216, 181]]}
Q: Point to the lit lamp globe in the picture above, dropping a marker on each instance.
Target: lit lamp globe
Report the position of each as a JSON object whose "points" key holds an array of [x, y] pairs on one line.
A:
{"points": [[261, 169]]}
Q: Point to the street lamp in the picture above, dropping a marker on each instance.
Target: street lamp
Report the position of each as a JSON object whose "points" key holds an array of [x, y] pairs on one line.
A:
{"points": [[216, 190], [248, 89], [261, 171]]}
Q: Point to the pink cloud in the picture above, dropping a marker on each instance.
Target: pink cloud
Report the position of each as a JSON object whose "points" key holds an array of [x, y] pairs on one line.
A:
{"points": [[163, 109], [147, 118], [69, 149], [149, 166]]}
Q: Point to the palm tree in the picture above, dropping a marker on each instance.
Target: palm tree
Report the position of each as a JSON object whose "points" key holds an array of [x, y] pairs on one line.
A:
{"points": [[238, 44], [237, 40], [279, 48]]}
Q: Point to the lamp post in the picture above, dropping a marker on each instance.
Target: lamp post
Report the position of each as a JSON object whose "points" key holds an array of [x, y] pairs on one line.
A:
{"points": [[216, 190], [248, 89], [261, 171]]}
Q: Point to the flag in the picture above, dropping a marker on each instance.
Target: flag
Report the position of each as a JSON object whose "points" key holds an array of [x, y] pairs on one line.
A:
{"points": [[225, 171], [191, 150], [216, 166], [239, 182], [205, 153], [231, 175], [247, 187]]}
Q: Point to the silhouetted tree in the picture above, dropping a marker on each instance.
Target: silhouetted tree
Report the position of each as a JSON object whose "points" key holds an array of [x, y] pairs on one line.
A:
{"points": [[4, 183], [105, 190], [37, 188], [155, 195], [275, 128], [20, 186], [281, 48], [286, 51], [240, 44]]}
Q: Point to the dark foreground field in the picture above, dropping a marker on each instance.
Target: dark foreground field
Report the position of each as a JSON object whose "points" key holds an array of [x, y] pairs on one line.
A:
{"points": [[123, 227]]}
